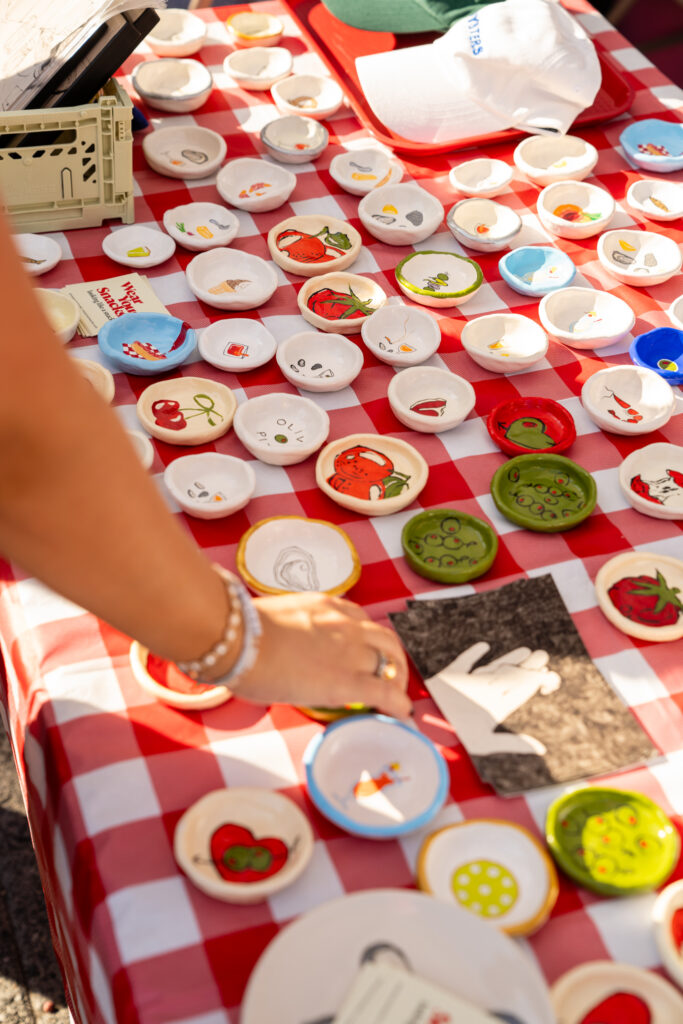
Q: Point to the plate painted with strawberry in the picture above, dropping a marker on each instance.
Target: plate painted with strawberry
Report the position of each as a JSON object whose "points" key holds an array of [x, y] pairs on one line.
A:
{"points": [[605, 992], [667, 916], [641, 593]]}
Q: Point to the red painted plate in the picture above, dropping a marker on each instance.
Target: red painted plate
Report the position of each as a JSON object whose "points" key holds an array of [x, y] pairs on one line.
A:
{"points": [[525, 425]]}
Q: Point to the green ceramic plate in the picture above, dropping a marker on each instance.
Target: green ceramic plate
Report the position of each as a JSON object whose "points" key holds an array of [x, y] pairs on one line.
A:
{"points": [[448, 546], [542, 492], [611, 840]]}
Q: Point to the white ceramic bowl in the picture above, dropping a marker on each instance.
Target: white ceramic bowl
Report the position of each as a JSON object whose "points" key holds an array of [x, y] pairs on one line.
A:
{"points": [[323, 301], [657, 200], [138, 246], [438, 278], [483, 225], [190, 696], [430, 399], [251, 28], [210, 485], [255, 185], [38, 253], [358, 171], [63, 314], [186, 410], [176, 85], [400, 214], [585, 317], [620, 582], [504, 342], [315, 96], [281, 429], [201, 226], [99, 377], [177, 34], [258, 67], [628, 399], [675, 312], [144, 449], [237, 344], [666, 915], [639, 258], [370, 473], [230, 279], [313, 244], [184, 152], [573, 209], [652, 480], [581, 995], [294, 139], [319, 362], [546, 158], [401, 335], [484, 178]]}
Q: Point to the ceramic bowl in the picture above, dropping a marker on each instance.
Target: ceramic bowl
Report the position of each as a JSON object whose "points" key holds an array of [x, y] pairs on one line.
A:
{"points": [[62, 312], [291, 554], [316, 96], [185, 152], [258, 67], [504, 342], [200, 226], [483, 178], [652, 480], [255, 185], [401, 335], [660, 350], [144, 449], [603, 990], [448, 546], [546, 493], [37, 253], [186, 410], [573, 209], [358, 171], [237, 344], [439, 279], [99, 377], [585, 317], [243, 845], [313, 244], [483, 225], [667, 916], [176, 85], [523, 425], [536, 269], [628, 400], [430, 399], [294, 139], [371, 473], [166, 683], [138, 246], [375, 777], [177, 34], [639, 592], [495, 869], [639, 258], [281, 429], [545, 159], [654, 145], [400, 214], [249, 28], [146, 343], [657, 200], [210, 485], [319, 362], [339, 302], [217, 277], [675, 313]]}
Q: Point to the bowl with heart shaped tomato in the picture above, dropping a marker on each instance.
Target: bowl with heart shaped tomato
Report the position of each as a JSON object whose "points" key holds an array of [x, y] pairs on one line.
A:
{"points": [[641, 593]]}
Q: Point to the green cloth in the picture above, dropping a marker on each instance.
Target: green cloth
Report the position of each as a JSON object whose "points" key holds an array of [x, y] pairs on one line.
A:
{"points": [[402, 16]]}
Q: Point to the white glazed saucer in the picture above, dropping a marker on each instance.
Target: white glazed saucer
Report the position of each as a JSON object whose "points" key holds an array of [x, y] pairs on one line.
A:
{"points": [[210, 485], [401, 335], [189, 695], [483, 225], [504, 342], [483, 178], [258, 67], [358, 171], [400, 214], [652, 480], [62, 312], [184, 152], [174, 84], [186, 410], [545, 158], [430, 399], [138, 246], [314, 361], [657, 200], [574, 209], [628, 399], [251, 28], [294, 139], [339, 302], [200, 226], [237, 344], [38, 253], [371, 473], [603, 990], [98, 376], [316, 96], [231, 279], [639, 258], [281, 429], [177, 34], [640, 592], [585, 317], [313, 244], [667, 916], [255, 185]]}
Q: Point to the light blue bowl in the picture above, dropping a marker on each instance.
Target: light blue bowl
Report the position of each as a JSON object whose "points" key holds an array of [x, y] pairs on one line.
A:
{"points": [[665, 136], [660, 350], [536, 269], [146, 343]]}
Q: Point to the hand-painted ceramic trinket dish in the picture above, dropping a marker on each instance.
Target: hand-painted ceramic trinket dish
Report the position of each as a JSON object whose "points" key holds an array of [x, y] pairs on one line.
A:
{"points": [[63, 314], [242, 844], [294, 139], [316, 96], [400, 214], [430, 399], [231, 279], [146, 343], [573, 209], [504, 342], [585, 317], [186, 410], [138, 246], [641, 593], [281, 429], [37, 253], [371, 473], [639, 258], [176, 85], [605, 992], [237, 344], [525, 425], [661, 350], [495, 869], [483, 224], [313, 244], [536, 269], [545, 159], [612, 841], [210, 485], [249, 28], [546, 493], [255, 185], [185, 152], [200, 226], [258, 67], [652, 480], [484, 178], [165, 682], [319, 362], [99, 377], [675, 313], [448, 546], [401, 335], [438, 278], [327, 715], [667, 916], [144, 449], [628, 400], [291, 554], [658, 200], [375, 777], [178, 33], [654, 145], [339, 302], [358, 171]]}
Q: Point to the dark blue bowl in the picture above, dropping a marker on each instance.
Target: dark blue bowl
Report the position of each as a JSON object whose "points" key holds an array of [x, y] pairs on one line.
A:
{"points": [[660, 350]]}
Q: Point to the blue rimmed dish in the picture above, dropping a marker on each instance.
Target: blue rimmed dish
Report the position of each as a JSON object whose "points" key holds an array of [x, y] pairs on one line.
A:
{"points": [[536, 269], [654, 144], [146, 343]]}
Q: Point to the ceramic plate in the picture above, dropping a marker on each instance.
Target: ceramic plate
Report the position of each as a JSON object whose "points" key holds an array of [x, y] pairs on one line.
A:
{"points": [[585, 317], [184, 152], [401, 335], [146, 343], [545, 158], [628, 399], [654, 144], [652, 480], [251, 28], [639, 258], [237, 344], [255, 185], [547, 493], [438, 278], [504, 342], [316, 96], [144, 449], [138, 246], [658, 200], [400, 214], [281, 429], [199, 226], [660, 350], [294, 140], [258, 67], [210, 485], [99, 377], [667, 915], [483, 225], [371, 473], [430, 399], [483, 177], [319, 362], [605, 992], [575, 209], [641, 593], [231, 279], [186, 410], [38, 253], [242, 844], [339, 302], [314, 244], [525, 425], [165, 682], [536, 269], [62, 312], [360, 170], [291, 554], [448, 546], [174, 84], [177, 34]]}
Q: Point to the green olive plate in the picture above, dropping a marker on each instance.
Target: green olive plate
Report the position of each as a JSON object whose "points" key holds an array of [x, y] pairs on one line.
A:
{"points": [[544, 492], [448, 546]]}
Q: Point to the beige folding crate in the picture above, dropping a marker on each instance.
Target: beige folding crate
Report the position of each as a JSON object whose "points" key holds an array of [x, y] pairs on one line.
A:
{"points": [[68, 167]]}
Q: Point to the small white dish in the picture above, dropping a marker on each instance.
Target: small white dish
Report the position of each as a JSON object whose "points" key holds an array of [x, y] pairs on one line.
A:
{"points": [[292, 554], [315, 96], [504, 342], [358, 171], [639, 258], [152, 674], [438, 278], [371, 473], [186, 410], [675, 313], [319, 362], [400, 214], [259, 67], [138, 246], [657, 200], [63, 314], [628, 399], [176, 85], [667, 916], [144, 449], [430, 399], [604, 991], [237, 344], [575, 209], [187, 152], [483, 178], [281, 429], [201, 226], [99, 377], [483, 225], [339, 302], [249, 28], [178, 33], [231, 279], [37, 253], [313, 244], [547, 158], [255, 185], [585, 317], [641, 592], [652, 480], [294, 139], [401, 335], [210, 485]]}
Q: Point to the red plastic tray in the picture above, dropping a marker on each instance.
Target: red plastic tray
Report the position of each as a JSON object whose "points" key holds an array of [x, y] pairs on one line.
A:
{"points": [[339, 45]]}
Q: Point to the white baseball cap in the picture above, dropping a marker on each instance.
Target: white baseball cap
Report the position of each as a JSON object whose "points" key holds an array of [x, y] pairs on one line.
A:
{"points": [[523, 64]]}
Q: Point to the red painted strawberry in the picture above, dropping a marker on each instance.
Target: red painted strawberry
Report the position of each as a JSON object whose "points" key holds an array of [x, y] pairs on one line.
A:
{"points": [[166, 412], [646, 599], [333, 305], [619, 1008], [240, 857]]}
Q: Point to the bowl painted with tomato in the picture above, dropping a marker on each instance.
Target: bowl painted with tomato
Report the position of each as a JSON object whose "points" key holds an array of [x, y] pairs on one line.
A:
{"points": [[641, 593], [313, 244], [371, 473], [525, 425], [186, 410], [544, 492], [340, 302], [433, 278]]}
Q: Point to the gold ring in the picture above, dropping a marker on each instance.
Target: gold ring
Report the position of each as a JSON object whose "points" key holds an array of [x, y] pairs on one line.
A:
{"points": [[386, 668]]}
